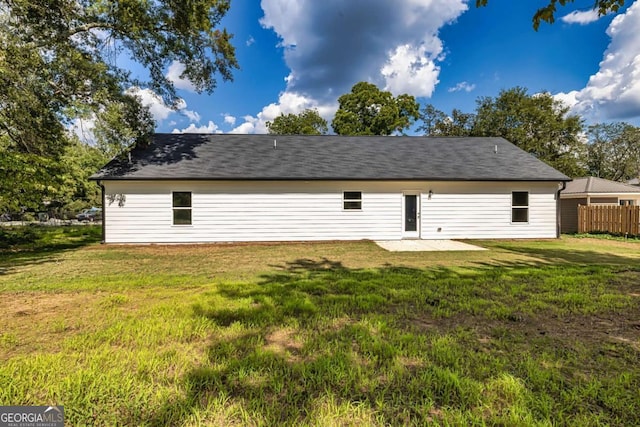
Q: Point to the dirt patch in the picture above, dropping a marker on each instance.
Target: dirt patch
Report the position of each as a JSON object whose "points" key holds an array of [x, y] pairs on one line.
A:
{"points": [[39, 304], [590, 330], [40, 320], [284, 342]]}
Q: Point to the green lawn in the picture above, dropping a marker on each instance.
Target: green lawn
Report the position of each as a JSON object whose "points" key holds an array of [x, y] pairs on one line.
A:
{"points": [[526, 333]]}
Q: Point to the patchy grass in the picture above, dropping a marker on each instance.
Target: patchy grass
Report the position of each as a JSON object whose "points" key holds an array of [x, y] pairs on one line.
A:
{"points": [[607, 236], [47, 238], [526, 333]]}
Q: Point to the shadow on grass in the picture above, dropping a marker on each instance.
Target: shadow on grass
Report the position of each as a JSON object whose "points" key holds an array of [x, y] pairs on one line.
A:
{"points": [[570, 256], [33, 245], [316, 343]]}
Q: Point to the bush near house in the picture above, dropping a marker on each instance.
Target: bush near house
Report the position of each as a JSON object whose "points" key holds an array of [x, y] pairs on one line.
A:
{"points": [[526, 333]]}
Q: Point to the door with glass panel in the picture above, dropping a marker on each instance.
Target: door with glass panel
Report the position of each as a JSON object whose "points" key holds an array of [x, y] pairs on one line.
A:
{"points": [[411, 216]]}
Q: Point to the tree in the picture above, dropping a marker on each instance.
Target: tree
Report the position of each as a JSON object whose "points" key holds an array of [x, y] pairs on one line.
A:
{"points": [[59, 62], [614, 151], [122, 124], [367, 110], [539, 124], [308, 122], [548, 12], [430, 117], [437, 123]]}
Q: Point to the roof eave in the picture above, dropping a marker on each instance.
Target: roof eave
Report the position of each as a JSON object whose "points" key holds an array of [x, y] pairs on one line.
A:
{"points": [[107, 178]]}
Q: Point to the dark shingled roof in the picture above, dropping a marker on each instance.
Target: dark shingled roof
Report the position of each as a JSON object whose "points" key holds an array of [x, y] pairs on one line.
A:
{"points": [[327, 157]]}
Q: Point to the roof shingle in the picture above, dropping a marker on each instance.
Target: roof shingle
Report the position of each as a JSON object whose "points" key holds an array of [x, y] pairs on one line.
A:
{"points": [[595, 185], [328, 157]]}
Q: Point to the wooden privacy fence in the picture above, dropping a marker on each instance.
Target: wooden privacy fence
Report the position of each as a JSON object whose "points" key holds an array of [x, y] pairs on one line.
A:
{"points": [[610, 219]]}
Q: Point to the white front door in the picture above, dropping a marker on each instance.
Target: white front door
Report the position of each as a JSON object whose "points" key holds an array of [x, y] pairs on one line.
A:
{"points": [[411, 216]]}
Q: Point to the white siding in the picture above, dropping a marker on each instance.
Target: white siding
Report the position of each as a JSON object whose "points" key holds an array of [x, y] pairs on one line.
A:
{"points": [[226, 211], [479, 210]]}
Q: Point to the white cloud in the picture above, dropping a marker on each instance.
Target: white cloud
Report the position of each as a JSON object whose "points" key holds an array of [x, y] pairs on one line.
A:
{"points": [[614, 91], [192, 115], [246, 127], [330, 45], [159, 110], [581, 17], [83, 129], [192, 128], [288, 103], [250, 41], [569, 99], [411, 70], [462, 86], [174, 74], [229, 119]]}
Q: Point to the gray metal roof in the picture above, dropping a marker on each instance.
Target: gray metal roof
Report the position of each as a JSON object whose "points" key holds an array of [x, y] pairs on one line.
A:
{"points": [[594, 185], [327, 157]]}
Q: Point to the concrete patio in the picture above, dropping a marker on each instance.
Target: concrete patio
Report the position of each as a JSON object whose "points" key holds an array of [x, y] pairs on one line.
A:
{"points": [[426, 245]]}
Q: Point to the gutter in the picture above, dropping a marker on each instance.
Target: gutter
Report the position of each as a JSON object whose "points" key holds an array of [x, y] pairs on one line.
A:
{"points": [[104, 212], [559, 210]]}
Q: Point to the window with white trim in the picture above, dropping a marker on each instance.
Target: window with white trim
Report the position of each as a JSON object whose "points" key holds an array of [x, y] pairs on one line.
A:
{"points": [[181, 207], [520, 206], [352, 200]]}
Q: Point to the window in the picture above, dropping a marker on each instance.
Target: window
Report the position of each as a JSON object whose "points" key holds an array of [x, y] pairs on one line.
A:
{"points": [[181, 208], [520, 206], [352, 200]]}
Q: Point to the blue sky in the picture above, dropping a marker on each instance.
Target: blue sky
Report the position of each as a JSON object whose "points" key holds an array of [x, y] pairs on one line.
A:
{"points": [[297, 54]]}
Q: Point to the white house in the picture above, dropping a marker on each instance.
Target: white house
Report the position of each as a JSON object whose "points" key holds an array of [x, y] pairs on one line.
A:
{"points": [[230, 188]]}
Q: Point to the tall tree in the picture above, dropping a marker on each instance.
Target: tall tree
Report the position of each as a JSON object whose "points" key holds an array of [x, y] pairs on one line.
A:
{"points": [[614, 151], [547, 13], [539, 124], [437, 123], [367, 110], [430, 117], [59, 62], [308, 122]]}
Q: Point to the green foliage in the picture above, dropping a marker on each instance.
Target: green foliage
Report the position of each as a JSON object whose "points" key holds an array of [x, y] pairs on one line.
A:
{"points": [[547, 13], [46, 238], [32, 180], [80, 162], [367, 110], [614, 151], [308, 122], [26, 179], [538, 124], [58, 63], [437, 123], [121, 124]]}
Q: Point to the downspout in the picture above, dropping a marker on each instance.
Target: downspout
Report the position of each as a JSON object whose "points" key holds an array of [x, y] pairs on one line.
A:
{"points": [[558, 210], [104, 212]]}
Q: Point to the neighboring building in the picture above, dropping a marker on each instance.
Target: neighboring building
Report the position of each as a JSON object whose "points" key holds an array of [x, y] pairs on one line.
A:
{"points": [[229, 188], [593, 191], [634, 181]]}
